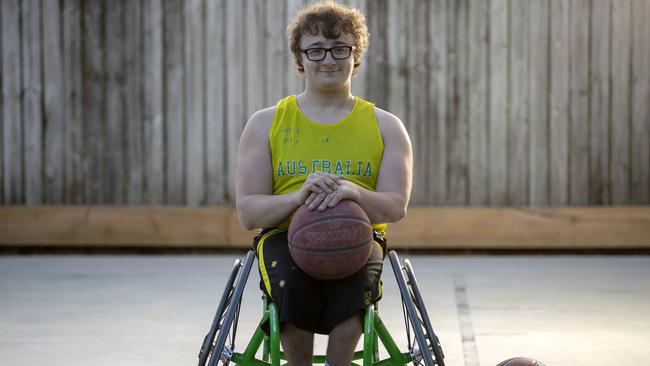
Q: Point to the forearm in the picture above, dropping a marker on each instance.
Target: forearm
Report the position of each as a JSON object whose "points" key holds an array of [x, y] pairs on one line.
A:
{"points": [[262, 210], [382, 207]]}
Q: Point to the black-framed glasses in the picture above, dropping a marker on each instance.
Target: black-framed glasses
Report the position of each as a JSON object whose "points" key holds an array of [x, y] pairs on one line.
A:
{"points": [[319, 53]]}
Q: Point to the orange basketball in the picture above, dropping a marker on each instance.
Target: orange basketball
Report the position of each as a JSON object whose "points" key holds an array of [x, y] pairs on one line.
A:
{"points": [[331, 244]]}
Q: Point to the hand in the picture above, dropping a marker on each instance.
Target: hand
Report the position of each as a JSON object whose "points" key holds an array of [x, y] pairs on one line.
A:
{"points": [[317, 186], [345, 190]]}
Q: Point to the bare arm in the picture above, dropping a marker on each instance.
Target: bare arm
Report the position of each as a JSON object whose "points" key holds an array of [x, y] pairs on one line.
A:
{"points": [[257, 206], [388, 203]]}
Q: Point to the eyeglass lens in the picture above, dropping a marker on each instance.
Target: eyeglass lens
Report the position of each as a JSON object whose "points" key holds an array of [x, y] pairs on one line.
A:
{"points": [[318, 54]]}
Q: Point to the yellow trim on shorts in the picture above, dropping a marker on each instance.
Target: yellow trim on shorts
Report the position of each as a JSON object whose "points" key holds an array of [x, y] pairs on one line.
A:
{"points": [[260, 259], [379, 282]]}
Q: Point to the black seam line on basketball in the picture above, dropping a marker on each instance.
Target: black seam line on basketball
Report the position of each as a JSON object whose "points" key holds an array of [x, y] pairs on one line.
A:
{"points": [[326, 250], [353, 218]]}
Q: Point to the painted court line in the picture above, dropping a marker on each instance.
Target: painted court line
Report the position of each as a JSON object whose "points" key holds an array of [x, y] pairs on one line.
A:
{"points": [[470, 352]]}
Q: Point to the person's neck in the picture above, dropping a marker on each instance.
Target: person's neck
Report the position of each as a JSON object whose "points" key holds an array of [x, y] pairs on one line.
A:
{"points": [[341, 98]]}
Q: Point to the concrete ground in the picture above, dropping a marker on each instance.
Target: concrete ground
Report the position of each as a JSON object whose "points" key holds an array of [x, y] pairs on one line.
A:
{"points": [[155, 310]]}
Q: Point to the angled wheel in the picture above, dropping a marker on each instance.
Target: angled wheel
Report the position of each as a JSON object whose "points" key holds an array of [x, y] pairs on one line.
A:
{"points": [[425, 349], [224, 302], [432, 338], [219, 344]]}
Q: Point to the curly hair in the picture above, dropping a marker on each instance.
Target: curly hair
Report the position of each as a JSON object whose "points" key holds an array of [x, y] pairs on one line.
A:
{"points": [[330, 18]]}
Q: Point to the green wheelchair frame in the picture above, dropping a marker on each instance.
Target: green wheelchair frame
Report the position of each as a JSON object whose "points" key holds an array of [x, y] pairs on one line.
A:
{"points": [[423, 348]]}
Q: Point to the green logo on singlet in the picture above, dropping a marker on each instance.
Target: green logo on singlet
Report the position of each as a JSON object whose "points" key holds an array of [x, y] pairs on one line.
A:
{"points": [[337, 167]]}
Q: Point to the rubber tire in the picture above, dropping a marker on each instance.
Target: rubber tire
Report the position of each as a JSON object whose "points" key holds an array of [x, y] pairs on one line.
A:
{"points": [[434, 342], [411, 310], [227, 311]]}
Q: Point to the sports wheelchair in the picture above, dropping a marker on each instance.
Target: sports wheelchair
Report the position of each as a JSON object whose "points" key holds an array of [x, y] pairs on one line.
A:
{"points": [[423, 346]]}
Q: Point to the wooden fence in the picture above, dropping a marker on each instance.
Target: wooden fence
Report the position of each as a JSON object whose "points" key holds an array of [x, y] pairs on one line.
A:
{"points": [[508, 102]]}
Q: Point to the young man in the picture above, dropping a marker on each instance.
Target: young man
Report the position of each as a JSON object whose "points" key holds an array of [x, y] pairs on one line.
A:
{"points": [[318, 148]]}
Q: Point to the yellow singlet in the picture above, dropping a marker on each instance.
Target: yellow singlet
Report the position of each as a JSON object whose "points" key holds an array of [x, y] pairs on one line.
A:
{"points": [[351, 147]]}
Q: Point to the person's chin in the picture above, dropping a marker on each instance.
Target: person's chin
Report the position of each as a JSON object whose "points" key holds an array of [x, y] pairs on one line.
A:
{"points": [[331, 84], [330, 74]]}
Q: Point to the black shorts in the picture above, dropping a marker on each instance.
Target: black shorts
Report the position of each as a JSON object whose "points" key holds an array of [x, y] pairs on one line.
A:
{"points": [[308, 303]]}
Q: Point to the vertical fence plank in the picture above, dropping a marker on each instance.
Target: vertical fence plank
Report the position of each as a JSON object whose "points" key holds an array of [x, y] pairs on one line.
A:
{"points": [[397, 42], [194, 141], [153, 103], [134, 111], [275, 48], [174, 40], [559, 103], [12, 109], [2, 124], [74, 182], [518, 130], [478, 102], [640, 190], [116, 127], [376, 60], [620, 100], [457, 99], [437, 161], [215, 116], [578, 112], [32, 101], [255, 57], [93, 101], [599, 188], [497, 134], [54, 131], [294, 83], [538, 101], [359, 84], [418, 92], [411, 112], [236, 114]]}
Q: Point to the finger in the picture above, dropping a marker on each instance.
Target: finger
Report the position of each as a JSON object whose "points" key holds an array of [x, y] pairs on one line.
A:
{"points": [[310, 198], [312, 187], [316, 189], [332, 183], [335, 181], [326, 185], [317, 200], [327, 200], [335, 199]]}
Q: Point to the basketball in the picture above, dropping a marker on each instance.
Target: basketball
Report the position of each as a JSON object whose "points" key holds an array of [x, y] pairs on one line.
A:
{"points": [[331, 244], [520, 361]]}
